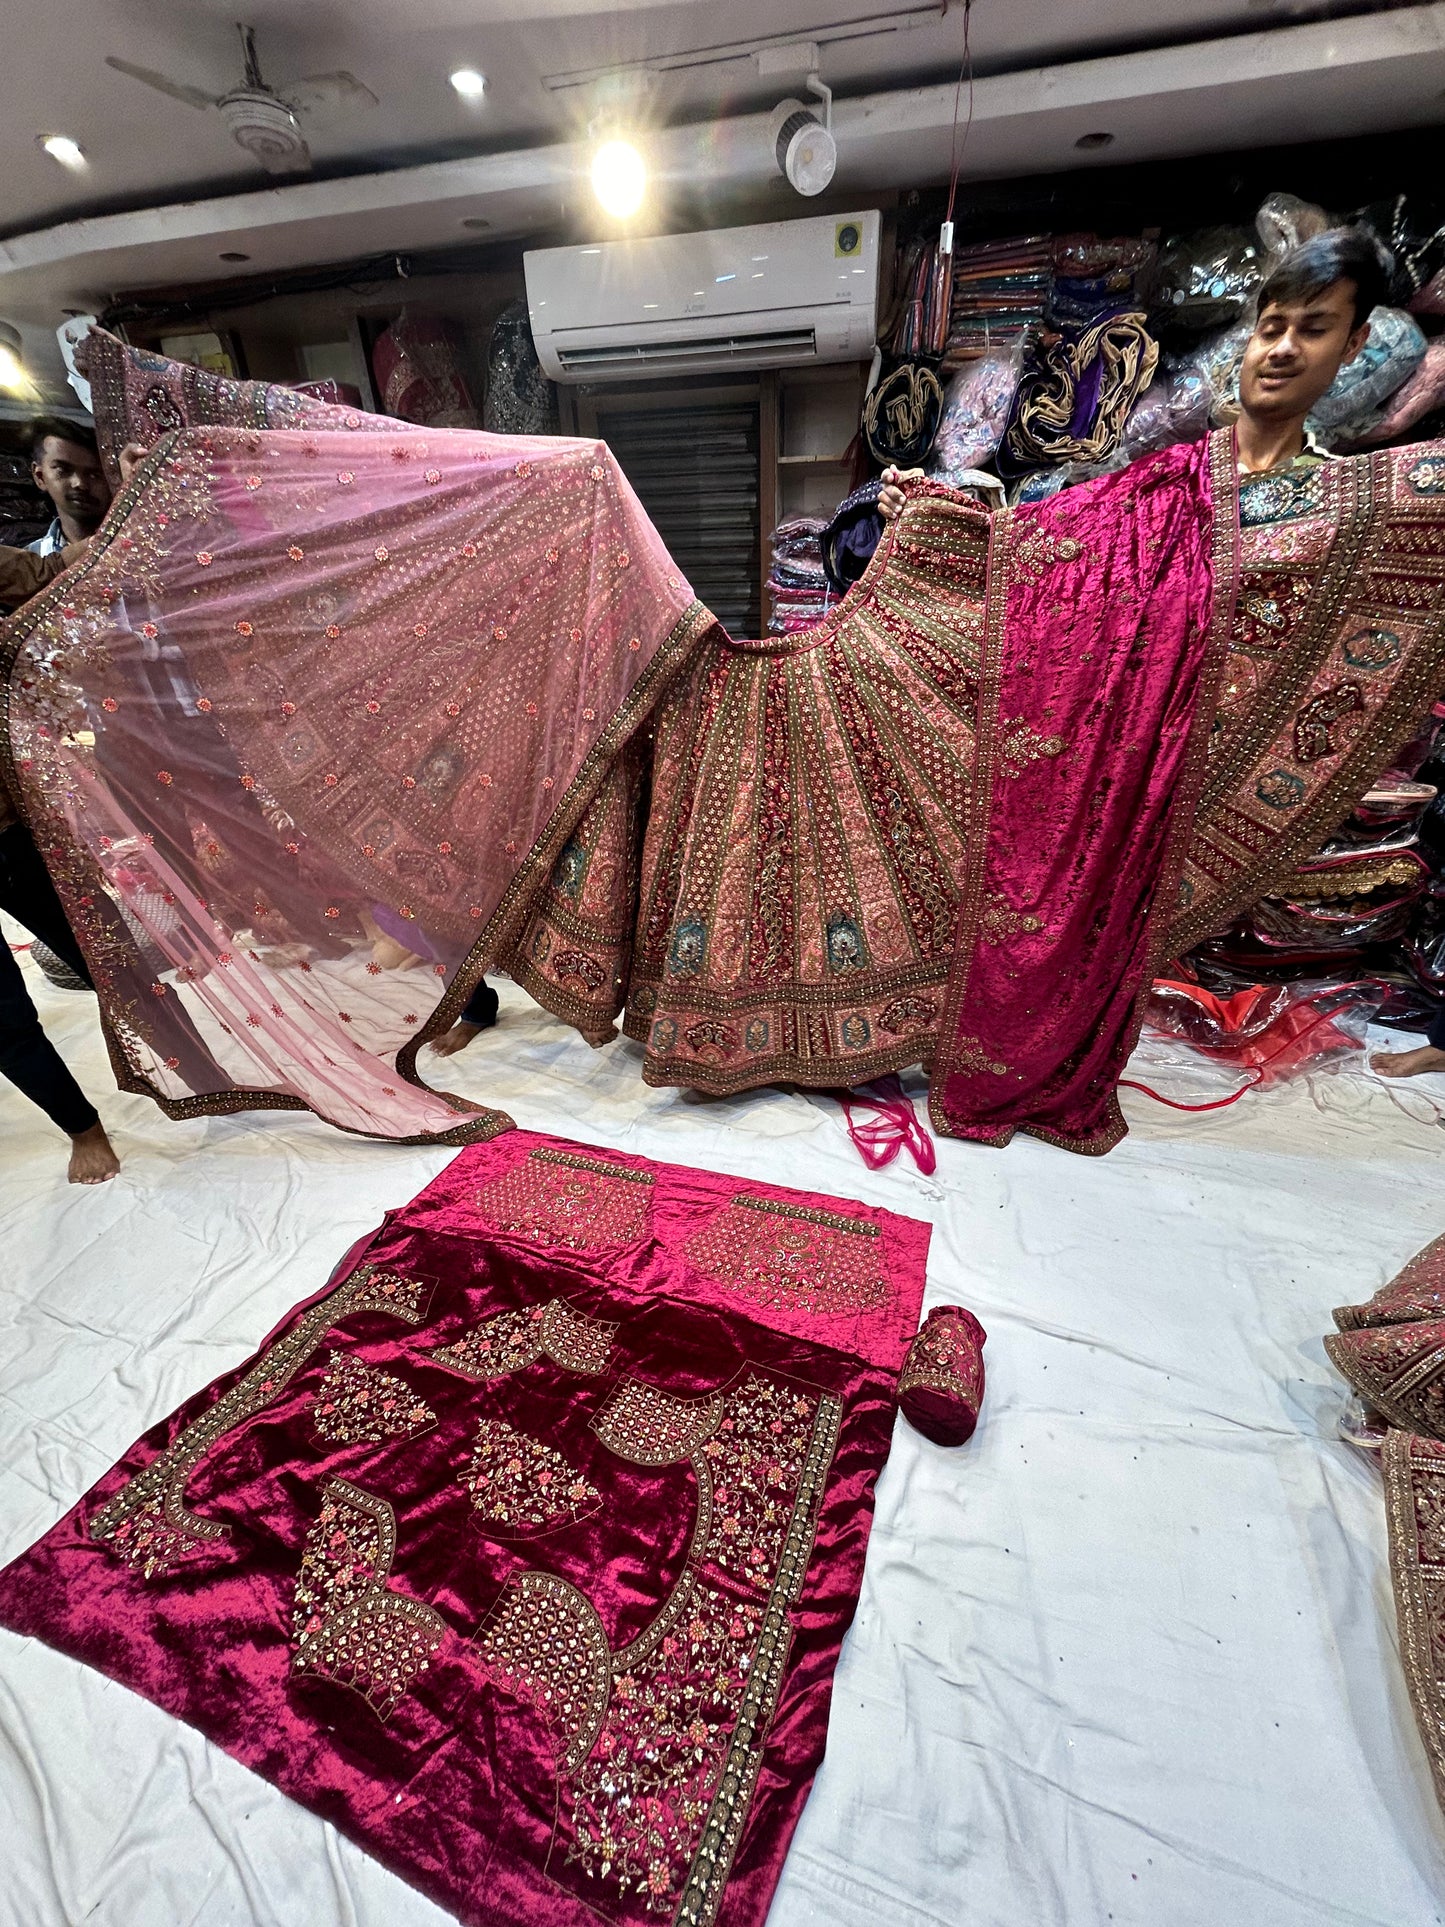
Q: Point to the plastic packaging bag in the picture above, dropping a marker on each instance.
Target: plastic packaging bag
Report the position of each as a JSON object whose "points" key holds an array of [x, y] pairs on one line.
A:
{"points": [[1420, 395], [1174, 408], [975, 413], [1282, 223], [1393, 352], [1206, 281]]}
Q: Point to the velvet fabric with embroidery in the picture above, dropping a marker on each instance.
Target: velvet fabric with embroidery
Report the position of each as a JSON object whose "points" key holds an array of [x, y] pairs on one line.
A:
{"points": [[523, 1555]]}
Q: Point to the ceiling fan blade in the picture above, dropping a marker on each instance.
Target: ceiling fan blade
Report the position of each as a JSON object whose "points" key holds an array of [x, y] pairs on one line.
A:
{"points": [[177, 89], [329, 95]]}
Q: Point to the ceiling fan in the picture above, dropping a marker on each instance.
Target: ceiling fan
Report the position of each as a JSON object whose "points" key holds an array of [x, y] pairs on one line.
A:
{"points": [[263, 121]]}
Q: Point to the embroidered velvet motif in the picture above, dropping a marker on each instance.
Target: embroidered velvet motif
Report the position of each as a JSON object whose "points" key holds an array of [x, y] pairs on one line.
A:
{"points": [[781, 1254], [940, 1388], [359, 1404], [147, 1523], [545, 1645], [555, 1198], [522, 1484], [1399, 1368], [643, 1423], [348, 1625], [514, 1340]]}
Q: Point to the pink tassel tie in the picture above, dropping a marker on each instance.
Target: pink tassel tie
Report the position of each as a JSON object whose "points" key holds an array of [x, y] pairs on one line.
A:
{"points": [[893, 1125]]}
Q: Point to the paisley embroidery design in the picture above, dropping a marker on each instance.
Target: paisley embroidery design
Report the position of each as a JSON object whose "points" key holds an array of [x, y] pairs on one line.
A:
{"points": [[524, 1485], [514, 1340], [348, 1625], [556, 1198], [359, 1404], [792, 1257], [146, 1523]]}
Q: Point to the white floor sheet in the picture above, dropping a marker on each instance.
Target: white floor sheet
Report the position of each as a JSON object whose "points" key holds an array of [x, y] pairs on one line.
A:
{"points": [[1129, 1656]]}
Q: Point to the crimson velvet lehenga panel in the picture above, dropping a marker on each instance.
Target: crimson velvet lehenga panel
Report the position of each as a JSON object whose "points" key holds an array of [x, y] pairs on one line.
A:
{"points": [[524, 1550], [483, 724]]}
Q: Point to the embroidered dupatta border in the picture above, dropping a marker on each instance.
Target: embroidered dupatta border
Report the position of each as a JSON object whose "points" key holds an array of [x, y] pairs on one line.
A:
{"points": [[1423, 1679], [1406, 703]]}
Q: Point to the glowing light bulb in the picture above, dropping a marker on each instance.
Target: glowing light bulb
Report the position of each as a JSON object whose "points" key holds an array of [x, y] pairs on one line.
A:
{"points": [[619, 178], [13, 378], [469, 83], [60, 147]]}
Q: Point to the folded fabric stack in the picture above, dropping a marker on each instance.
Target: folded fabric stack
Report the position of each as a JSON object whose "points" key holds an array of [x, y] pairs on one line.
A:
{"points": [[1093, 279], [797, 586], [923, 315], [1001, 289]]}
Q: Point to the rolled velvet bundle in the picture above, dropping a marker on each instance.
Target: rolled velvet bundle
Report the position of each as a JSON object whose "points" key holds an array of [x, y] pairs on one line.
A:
{"points": [[941, 1385]]}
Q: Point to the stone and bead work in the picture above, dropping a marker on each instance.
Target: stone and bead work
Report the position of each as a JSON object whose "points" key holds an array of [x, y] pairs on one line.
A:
{"points": [[787, 1255], [513, 1340], [349, 1626], [559, 1198], [359, 1404], [521, 1486]]}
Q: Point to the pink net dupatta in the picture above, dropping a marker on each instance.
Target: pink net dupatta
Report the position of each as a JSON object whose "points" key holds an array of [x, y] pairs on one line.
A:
{"points": [[1107, 624], [304, 734]]}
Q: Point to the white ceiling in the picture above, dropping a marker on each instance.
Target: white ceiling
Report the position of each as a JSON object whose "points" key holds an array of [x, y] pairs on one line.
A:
{"points": [[144, 148]]}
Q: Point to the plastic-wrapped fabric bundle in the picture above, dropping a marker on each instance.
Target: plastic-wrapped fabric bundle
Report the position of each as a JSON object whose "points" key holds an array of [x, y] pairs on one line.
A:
{"points": [[797, 583], [1394, 350], [1000, 291], [1206, 281], [1422, 393], [1269, 1032], [1175, 407], [975, 414], [1094, 278], [1412, 232], [1282, 222], [520, 399]]}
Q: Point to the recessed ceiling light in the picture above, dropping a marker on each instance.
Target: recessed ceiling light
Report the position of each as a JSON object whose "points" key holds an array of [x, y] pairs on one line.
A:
{"points": [[60, 147], [469, 83], [1088, 141], [231, 254], [475, 221]]}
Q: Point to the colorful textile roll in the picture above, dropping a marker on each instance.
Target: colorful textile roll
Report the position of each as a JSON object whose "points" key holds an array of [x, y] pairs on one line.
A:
{"points": [[940, 1388]]}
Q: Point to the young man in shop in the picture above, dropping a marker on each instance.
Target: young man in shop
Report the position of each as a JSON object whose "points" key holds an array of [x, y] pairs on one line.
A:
{"points": [[65, 466]]}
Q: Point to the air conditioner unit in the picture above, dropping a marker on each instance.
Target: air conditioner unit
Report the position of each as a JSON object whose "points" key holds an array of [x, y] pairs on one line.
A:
{"points": [[779, 296]]}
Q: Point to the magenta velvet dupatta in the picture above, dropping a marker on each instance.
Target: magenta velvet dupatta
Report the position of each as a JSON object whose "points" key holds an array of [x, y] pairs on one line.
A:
{"points": [[523, 1552]]}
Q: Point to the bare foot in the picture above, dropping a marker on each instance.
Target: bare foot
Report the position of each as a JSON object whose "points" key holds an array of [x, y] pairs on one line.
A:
{"points": [[92, 1159], [1408, 1063], [455, 1039], [392, 955]]}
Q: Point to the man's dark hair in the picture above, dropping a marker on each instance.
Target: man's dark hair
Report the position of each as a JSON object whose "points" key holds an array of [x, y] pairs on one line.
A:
{"points": [[55, 427], [1339, 254]]}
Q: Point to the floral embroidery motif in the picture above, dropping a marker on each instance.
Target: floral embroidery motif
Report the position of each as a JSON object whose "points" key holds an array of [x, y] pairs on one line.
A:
{"points": [[971, 1057], [998, 921], [545, 1645], [513, 1340], [637, 1808], [348, 1625], [146, 1523], [1021, 744], [945, 1356], [789, 1256], [556, 1198], [520, 1482], [1427, 477], [1040, 549], [648, 1426], [359, 1404]]}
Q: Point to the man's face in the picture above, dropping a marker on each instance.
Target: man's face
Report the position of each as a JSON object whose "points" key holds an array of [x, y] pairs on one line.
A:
{"points": [[1296, 350], [75, 482]]}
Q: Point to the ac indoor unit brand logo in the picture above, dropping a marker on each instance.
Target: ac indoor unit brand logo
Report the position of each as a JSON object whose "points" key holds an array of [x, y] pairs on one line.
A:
{"points": [[847, 239]]}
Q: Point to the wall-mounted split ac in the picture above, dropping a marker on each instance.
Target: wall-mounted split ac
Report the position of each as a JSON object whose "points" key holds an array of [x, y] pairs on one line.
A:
{"points": [[778, 296]]}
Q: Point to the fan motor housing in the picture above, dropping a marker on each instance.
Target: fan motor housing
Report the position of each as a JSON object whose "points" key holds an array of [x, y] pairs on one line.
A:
{"points": [[267, 129]]}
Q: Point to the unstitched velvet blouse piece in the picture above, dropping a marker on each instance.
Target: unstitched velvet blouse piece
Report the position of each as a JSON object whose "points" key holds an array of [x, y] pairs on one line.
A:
{"points": [[524, 1550]]}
